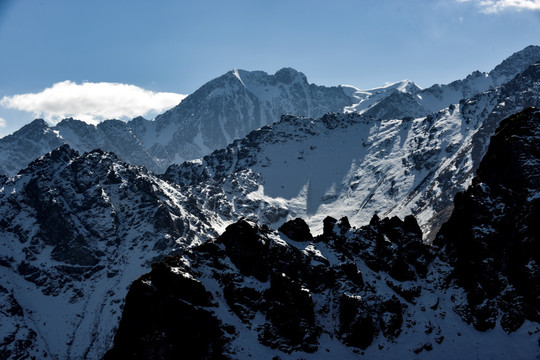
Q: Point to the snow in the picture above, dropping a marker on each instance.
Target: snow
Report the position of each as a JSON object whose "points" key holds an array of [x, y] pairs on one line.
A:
{"points": [[235, 72], [428, 320], [317, 181], [74, 316], [368, 98], [350, 166]]}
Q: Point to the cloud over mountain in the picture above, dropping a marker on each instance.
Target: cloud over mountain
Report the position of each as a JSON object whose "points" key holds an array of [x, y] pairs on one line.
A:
{"points": [[92, 102]]}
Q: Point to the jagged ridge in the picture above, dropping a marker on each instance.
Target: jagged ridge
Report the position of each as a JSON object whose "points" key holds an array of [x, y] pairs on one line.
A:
{"points": [[76, 231], [379, 288], [232, 105], [392, 167]]}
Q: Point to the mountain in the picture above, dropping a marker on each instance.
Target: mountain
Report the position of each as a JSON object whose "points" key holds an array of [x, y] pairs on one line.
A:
{"points": [[38, 138], [222, 110], [440, 96], [25, 145], [492, 239], [76, 230], [232, 105], [376, 291], [392, 167], [418, 102]]}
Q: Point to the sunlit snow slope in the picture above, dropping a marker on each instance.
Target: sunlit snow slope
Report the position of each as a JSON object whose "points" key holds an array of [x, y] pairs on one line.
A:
{"points": [[354, 165]]}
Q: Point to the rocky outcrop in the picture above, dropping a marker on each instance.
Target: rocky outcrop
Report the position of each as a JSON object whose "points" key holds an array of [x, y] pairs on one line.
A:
{"points": [[296, 230], [280, 291], [76, 230], [288, 292], [492, 238], [156, 305]]}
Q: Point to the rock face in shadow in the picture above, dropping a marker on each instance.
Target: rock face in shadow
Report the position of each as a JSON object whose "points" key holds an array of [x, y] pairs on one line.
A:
{"points": [[280, 293], [493, 236], [258, 291], [156, 306], [296, 230]]}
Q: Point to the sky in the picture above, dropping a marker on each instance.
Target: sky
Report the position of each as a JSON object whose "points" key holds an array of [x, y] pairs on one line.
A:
{"points": [[102, 59]]}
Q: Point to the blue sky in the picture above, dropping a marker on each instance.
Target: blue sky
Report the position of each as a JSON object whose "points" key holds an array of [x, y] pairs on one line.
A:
{"points": [[157, 49]]}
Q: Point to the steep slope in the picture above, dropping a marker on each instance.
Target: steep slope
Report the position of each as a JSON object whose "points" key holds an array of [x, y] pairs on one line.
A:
{"points": [[421, 102], [231, 106], [378, 291], [238, 102], [76, 230], [353, 165], [492, 238]]}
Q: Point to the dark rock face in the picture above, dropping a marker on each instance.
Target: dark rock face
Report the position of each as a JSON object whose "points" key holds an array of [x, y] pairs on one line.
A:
{"points": [[356, 325], [157, 306], [246, 250], [296, 230], [290, 314], [256, 275], [493, 236], [398, 248]]}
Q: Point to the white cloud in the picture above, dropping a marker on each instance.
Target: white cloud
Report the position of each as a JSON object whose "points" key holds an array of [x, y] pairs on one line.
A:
{"points": [[92, 102], [2, 122], [496, 6]]}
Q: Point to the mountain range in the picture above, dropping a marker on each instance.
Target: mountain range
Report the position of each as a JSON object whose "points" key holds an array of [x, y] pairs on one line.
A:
{"points": [[391, 167], [232, 105], [79, 224], [222, 110], [377, 291]]}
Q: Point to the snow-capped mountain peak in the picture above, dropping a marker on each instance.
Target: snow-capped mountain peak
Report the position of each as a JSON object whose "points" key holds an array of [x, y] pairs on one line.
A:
{"points": [[76, 228], [232, 105], [364, 99], [517, 62]]}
